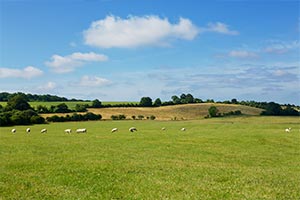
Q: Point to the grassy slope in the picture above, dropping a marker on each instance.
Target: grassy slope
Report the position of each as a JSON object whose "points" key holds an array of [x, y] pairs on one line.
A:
{"points": [[187, 111], [225, 158]]}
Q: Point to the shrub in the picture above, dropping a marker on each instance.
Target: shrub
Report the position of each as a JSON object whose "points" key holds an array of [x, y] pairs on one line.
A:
{"points": [[152, 117], [140, 117]]}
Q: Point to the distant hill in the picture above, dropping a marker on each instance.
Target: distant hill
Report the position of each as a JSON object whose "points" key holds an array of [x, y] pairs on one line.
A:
{"points": [[179, 112]]}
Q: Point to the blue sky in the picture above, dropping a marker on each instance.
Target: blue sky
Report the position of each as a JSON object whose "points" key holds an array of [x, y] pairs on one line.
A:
{"points": [[118, 50]]}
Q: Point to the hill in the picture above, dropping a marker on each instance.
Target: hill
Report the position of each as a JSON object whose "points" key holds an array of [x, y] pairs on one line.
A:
{"points": [[179, 112]]}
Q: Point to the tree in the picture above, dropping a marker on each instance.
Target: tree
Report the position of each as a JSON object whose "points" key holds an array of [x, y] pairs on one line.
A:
{"points": [[96, 104], [81, 107], [42, 109], [157, 102], [17, 102], [213, 111], [37, 119], [146, 102], [175, 99], [272, 108], [234, 101], [62, 108], [189, 98]]}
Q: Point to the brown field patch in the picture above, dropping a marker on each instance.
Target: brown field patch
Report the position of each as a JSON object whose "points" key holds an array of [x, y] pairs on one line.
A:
{"points": [[178, 112]]}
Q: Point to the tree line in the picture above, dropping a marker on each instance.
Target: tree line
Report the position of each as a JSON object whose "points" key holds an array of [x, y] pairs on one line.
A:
{"points": [[19, 112], [5, 96]]}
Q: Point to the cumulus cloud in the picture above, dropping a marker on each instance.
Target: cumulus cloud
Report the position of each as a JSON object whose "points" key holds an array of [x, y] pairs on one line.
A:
{"points": [[65, 64], [93, 81], [28, 72], [137, 31], [48, 86], [219, 27], [242, 54]]}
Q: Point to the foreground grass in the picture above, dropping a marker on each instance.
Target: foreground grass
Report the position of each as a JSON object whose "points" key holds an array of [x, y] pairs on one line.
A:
{"points": [[225, 158]]}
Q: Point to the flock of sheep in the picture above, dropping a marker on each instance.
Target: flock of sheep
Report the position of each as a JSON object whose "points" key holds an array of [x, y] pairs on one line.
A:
{"points": [[131, 129], [84, 130]]}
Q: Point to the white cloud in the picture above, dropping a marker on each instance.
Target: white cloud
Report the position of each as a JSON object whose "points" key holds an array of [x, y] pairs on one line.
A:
{"points": [[28, 72], [242, 54], [93, 81], [281, 47], [219, 27], [137, 31], [64, 64], [48, 86]]}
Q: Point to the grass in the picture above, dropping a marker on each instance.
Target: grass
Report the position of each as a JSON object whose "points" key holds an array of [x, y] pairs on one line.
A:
{"points": [[178, 112], [224, 158], [70, 104]]}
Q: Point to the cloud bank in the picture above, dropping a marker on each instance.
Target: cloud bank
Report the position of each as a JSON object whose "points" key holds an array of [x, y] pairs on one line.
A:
{"points": [[28, 72], [65, 64]]}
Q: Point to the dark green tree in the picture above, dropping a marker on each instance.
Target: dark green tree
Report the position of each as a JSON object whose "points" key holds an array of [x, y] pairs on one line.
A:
{"points": [[18, 102], [146, 102], [62, 108], [234, 101], [189, 98], [96, 104], [157, 102], [175, 99], [213, 111]]}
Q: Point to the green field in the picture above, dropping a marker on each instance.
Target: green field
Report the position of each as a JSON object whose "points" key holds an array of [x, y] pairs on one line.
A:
{"points": [[222, 158], [70, 104]]}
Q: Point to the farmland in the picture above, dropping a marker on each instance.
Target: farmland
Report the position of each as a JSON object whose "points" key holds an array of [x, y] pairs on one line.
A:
{"points": [[70, 104], [221, 158], [176, 112]]}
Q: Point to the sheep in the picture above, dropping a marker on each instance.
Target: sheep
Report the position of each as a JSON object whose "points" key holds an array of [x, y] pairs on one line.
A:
{"points": [[68, 131], [14, 130], [81, 130], [132, 129], [287, 130], [183, 129], [44, 130], [28, 130], [114, 130]]}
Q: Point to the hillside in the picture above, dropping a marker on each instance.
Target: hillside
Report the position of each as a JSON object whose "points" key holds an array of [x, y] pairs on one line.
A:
{"points": [[185, 111]]}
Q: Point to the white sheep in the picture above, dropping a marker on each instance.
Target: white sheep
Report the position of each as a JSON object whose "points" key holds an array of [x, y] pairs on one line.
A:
{"points": [[114, 130], [13, 130], [68, 131], [132, 129], [28, 130], [44, 130], [81, 130], [287, 130], [183, 129]]}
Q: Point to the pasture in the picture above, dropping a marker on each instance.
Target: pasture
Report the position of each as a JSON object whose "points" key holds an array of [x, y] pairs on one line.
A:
{"points": [[222, 158], [70, 104]]}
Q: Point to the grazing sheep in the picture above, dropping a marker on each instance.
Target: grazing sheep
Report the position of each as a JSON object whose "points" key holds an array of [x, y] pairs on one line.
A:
{"points": [[132, 129], [183, 129], [163, 128], [287, 130], [14, 130], [81, 130], [28, 130], [44, 130], [114, 130], [68, 131]]}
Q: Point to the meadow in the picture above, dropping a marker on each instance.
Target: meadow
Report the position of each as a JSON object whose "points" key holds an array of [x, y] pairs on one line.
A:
{"points": [[70, 104], [221, 158]]}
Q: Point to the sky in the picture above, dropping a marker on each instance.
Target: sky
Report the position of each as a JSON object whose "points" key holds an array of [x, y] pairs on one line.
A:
{"points": [[122, 50]]}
